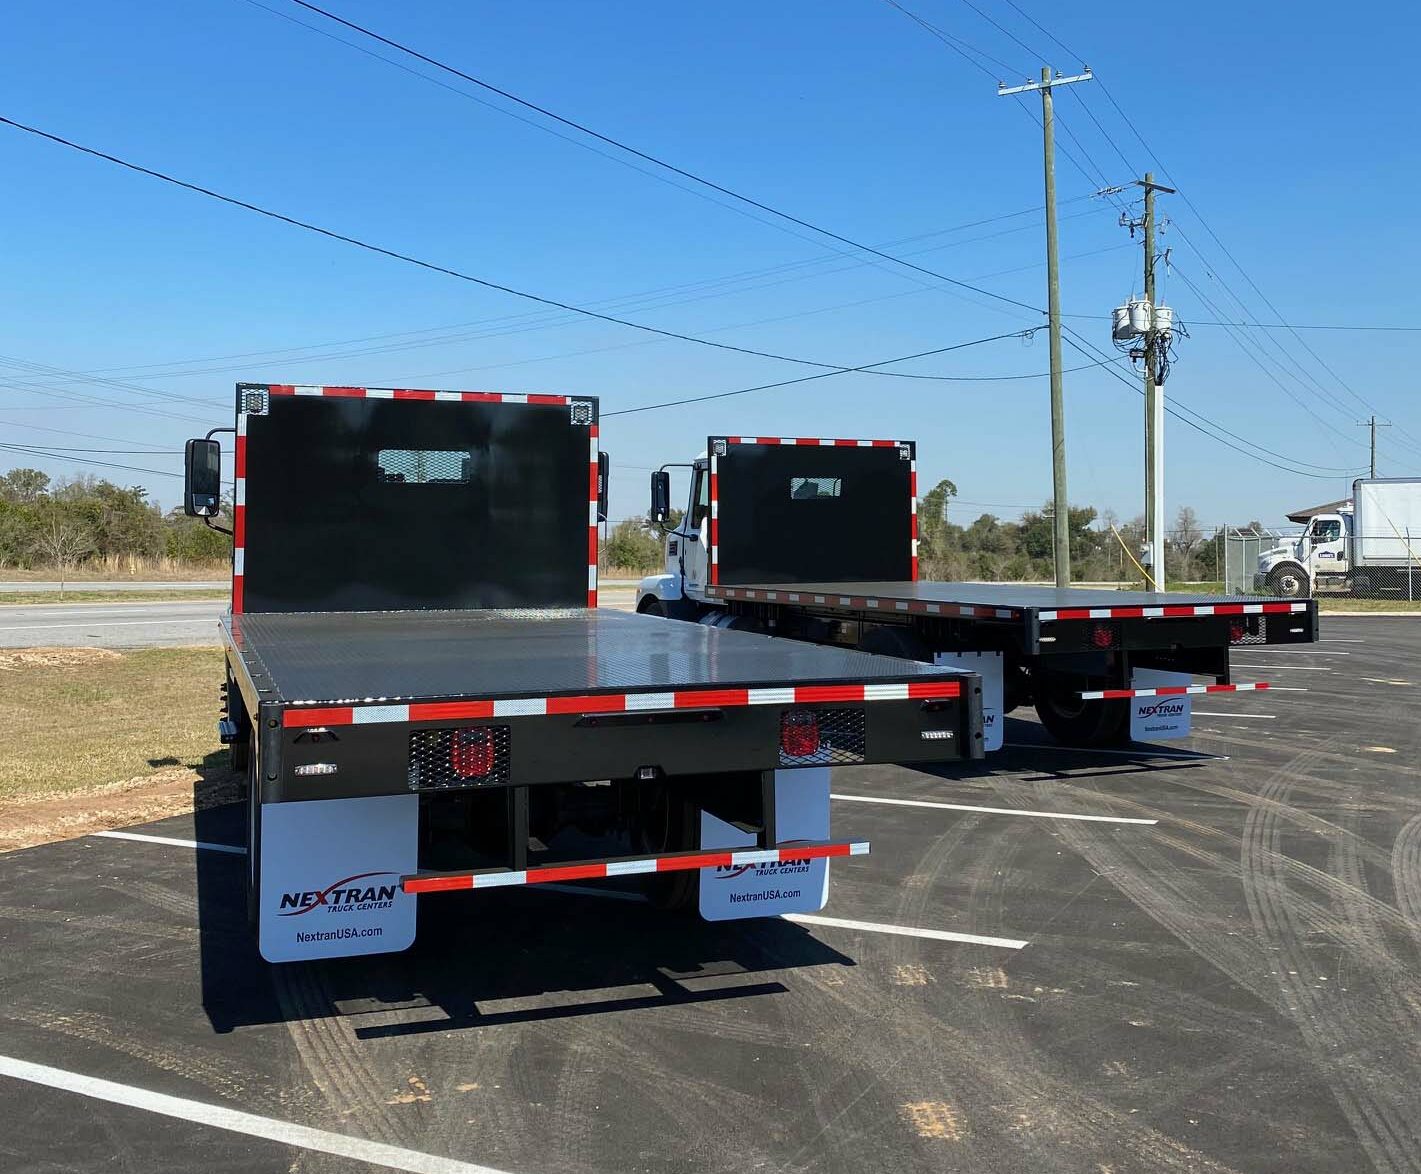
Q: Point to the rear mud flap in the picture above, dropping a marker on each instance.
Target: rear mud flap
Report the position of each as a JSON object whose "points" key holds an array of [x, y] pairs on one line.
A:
{"points": [[1159, 719], [989, 665], [330, 877], [766, 890]]}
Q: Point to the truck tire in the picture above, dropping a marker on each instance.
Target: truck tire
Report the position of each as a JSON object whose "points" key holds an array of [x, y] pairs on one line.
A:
{"points": [[671, 823], [1288, 581], [1074, 722], [669, 609], [895, 641]]}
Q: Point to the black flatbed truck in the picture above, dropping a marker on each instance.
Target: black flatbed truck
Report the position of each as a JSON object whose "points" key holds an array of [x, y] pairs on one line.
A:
{"points": [[818, 540], [406, 728]]}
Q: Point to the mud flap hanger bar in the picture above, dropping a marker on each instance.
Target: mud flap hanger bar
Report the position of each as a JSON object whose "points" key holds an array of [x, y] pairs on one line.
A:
{"points": [[491, 878], [1168, 691]]}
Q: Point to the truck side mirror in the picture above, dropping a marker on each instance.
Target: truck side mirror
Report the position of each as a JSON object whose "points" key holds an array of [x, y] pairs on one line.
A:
{"points": [[603, 465], [202, 479], [660, 496]]}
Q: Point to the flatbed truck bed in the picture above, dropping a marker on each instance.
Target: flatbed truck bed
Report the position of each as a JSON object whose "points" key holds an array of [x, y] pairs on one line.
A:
{"points": [[1025, 616], [818, 540], [570, 693], [425, 698]]}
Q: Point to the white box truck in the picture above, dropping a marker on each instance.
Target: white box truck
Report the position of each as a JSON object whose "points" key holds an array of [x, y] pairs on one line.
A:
{"points": [[1371, 546]]}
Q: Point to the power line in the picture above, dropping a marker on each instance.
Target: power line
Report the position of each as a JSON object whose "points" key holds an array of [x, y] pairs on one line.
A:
{"points": [[1301, 326], [649, 158], [696, 399], [1085, 347], [59, 455], [429, 265]]}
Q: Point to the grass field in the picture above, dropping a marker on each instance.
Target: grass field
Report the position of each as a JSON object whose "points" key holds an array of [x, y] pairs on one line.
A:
{"points": [[82, 718], [82, 595]]}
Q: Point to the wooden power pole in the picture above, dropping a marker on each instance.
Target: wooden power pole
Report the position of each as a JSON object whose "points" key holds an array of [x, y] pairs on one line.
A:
{"points": [[1062, 511]]}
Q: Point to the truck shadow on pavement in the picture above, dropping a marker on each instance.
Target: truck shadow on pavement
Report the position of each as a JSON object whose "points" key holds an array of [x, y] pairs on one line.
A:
{"points": [[485, 960]]}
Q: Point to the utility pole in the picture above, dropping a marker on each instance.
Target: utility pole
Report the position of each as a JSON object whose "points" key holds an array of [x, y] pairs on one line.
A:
{"points": [[1374, 424], [1062, 506], [1154, 396]]}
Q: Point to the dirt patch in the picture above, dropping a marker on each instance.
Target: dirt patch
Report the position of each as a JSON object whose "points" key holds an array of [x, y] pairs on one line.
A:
{"points": [[13, 659], [26, 821]]}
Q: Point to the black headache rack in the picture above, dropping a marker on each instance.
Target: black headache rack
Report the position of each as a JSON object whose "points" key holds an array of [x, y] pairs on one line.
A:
{"points": [[1043, 621], [378, 703]]}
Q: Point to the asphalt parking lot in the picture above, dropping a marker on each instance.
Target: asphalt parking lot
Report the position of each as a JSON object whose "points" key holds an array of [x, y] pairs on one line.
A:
{"points": [[1203, 957]]}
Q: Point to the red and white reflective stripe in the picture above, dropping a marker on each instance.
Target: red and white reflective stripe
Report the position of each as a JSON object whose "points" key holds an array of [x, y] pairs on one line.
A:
{"points": [[239, 516], [926, 689], [813, 442], [411, 393], [1173, 611], [713, 573], [866, 603], [1169, 691], [913, 500], [743, 858], [592, 523]]}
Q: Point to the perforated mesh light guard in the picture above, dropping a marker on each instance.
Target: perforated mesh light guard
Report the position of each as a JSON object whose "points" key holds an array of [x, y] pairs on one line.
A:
{"points": [[432, 760], [841, 740]]}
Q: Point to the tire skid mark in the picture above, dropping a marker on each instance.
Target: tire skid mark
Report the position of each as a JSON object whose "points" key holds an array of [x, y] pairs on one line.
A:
{"points": [[1379, 1127], [347, 1081], [1406, 874], [1054, 1112], [1309, 874]]}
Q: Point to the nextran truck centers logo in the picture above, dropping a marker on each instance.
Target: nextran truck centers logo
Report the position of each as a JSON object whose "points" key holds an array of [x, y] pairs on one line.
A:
{"points": [[1161, 709], [344, 896], [783, 868]]}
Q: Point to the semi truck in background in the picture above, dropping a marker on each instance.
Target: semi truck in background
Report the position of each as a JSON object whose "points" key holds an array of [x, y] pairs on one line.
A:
{"points": [[1371, 545], [425, 697], [817, 540]]}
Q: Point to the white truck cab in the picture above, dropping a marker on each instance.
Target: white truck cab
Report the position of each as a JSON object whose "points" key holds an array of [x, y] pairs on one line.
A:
{"points": [[680, 589], [1314, 558]]}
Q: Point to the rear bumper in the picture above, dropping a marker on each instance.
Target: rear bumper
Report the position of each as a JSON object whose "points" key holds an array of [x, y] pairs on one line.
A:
{"points": [[318, 752]]}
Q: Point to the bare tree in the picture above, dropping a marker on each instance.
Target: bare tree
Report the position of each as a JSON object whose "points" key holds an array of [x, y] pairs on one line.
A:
{"points": [[1185, 540], [62, 544]]}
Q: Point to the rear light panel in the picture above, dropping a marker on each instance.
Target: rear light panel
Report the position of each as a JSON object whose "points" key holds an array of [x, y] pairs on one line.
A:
{"points": [[822, 737], [1105, 635], [470, 756]]}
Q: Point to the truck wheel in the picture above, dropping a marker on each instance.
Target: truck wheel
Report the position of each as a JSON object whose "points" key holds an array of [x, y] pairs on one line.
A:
{"points": [[1074, 722], [894, 641], [239, 754], [669, 609], [670, 823], [1289, 581]]}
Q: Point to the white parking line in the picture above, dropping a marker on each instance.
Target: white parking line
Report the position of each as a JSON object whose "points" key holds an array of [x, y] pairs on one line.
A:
{"points": [[111, 624], [905, 931], [200, 844], [1251, 717], [304, 1137], [990, 810], [1305, 651]]}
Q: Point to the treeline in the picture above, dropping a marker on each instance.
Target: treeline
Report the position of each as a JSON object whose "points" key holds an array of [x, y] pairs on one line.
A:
{"points": [[1103, 548], [68, 523]]}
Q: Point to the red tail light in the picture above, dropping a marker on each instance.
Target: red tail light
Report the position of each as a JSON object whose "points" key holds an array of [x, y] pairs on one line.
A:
{"points": [[1103, 636], [472, 753], [799, 733], [1237, 631]]}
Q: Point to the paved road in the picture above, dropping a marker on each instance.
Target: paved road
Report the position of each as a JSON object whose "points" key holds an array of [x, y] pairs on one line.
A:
{"points": [[110, 625], [1230, 988], [122, 585], [156, 624]]}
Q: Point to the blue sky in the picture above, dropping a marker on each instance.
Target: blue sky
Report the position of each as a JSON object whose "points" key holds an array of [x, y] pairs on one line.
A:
{"points": [[1287, 126]]}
